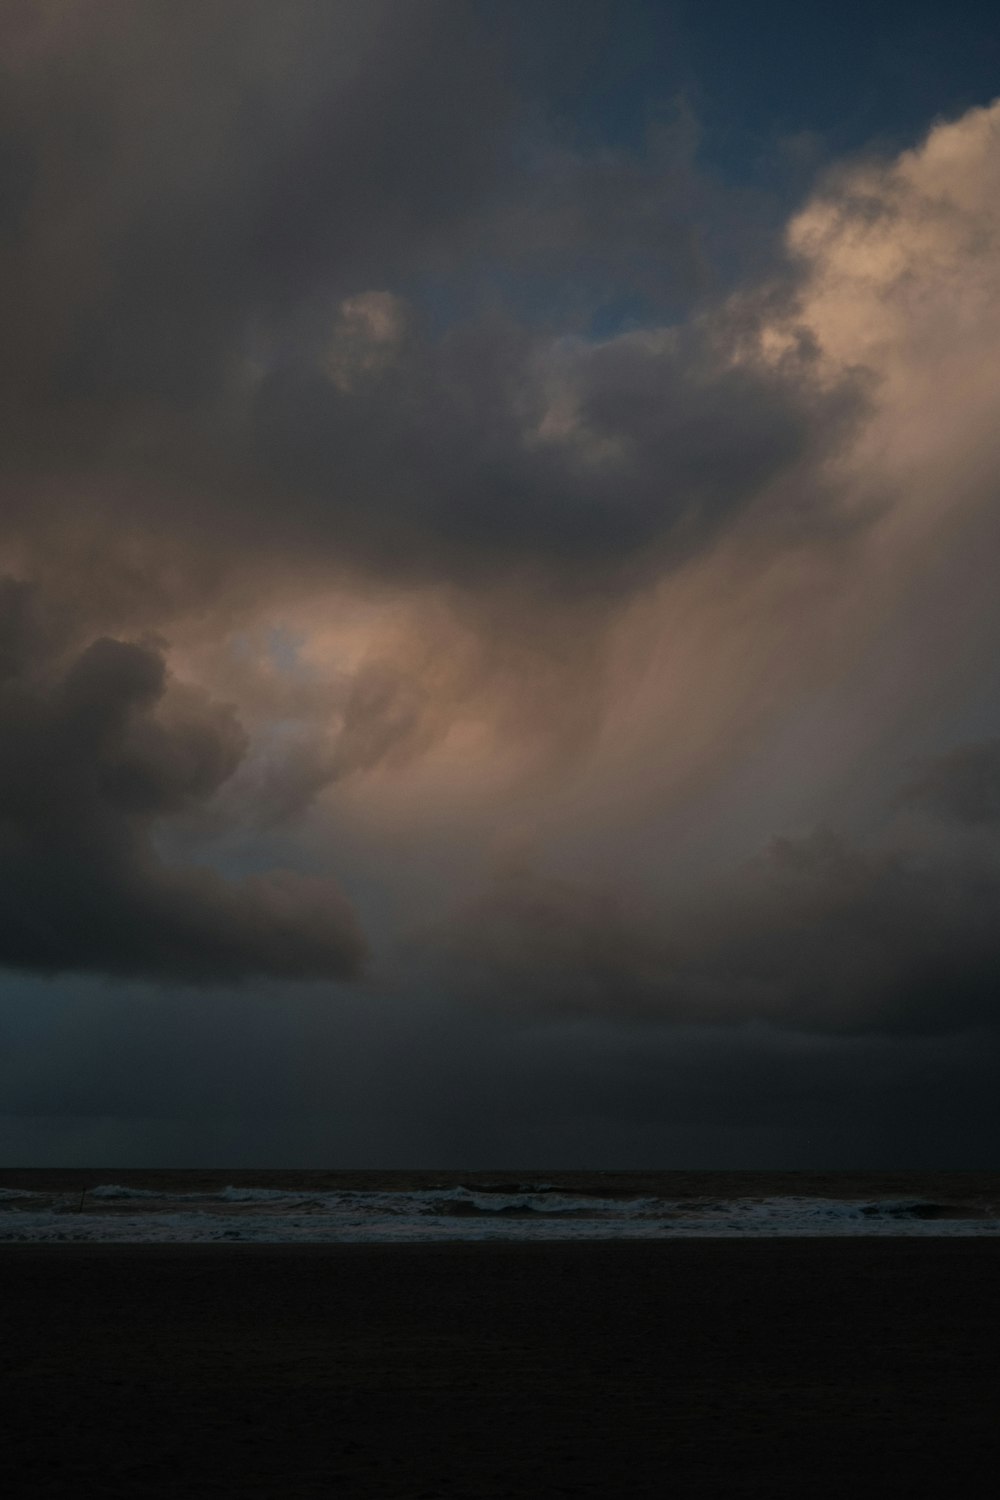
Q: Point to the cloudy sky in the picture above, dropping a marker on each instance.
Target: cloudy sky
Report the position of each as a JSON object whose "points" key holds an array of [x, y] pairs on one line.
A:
{"points": [[499, 633]]}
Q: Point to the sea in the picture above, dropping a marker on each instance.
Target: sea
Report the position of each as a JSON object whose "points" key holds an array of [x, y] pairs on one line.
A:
{"points": [[114, 1206]]}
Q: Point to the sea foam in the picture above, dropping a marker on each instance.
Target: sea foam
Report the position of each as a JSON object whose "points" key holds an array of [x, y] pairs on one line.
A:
{"points": [[114, 1213]]}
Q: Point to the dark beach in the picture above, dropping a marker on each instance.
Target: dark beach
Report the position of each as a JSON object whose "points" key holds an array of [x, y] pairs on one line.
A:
{"points": [[778, 1368]]}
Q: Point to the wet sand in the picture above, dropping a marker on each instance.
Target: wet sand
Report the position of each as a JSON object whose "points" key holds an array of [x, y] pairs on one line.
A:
{"points": [[683, 1368]]}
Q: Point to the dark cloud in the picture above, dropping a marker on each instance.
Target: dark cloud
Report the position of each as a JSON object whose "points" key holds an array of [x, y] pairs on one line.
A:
{"points": [[491, 450], [323, 301], [963, 785], [95, 750], [199, 197], [817, 934], [191, 165], [279, 285]]}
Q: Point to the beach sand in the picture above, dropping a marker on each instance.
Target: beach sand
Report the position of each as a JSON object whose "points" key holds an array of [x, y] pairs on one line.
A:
{"points": [[684, 1368]]}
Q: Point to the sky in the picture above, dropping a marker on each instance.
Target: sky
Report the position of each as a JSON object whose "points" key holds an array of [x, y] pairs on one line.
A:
{"points": [[498, 628]]}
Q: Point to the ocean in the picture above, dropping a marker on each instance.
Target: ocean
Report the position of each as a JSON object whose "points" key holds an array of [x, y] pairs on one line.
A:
{"points": [[339, 1207]]}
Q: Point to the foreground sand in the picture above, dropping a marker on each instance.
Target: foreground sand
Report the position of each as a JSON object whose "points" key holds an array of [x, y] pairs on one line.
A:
{"points": [[782, 1368]]}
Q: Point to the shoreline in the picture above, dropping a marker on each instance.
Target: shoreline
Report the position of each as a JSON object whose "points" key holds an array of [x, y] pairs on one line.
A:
{"points": [[680, 1244]]}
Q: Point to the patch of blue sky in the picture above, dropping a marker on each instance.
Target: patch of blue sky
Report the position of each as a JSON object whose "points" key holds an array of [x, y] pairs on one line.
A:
{"points": [[624, 313], [772, 92], [849, 73], [282, 649], [596, 304]]}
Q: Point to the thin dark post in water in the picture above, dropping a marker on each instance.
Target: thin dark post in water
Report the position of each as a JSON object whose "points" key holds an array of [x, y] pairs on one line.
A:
{"points": [[79, 1207]]}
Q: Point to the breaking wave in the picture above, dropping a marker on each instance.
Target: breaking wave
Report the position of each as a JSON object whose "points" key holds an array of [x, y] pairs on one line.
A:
{"points": [[115, 1213]]}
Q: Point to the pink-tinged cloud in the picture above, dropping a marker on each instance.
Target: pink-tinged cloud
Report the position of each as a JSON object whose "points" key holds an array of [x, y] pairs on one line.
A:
{"points": [[316, 570]]}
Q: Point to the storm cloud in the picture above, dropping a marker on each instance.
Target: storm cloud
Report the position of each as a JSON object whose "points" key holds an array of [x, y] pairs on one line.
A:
{"points": [[817, 933], [210, 205], [492, 552], [93, 751]]}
